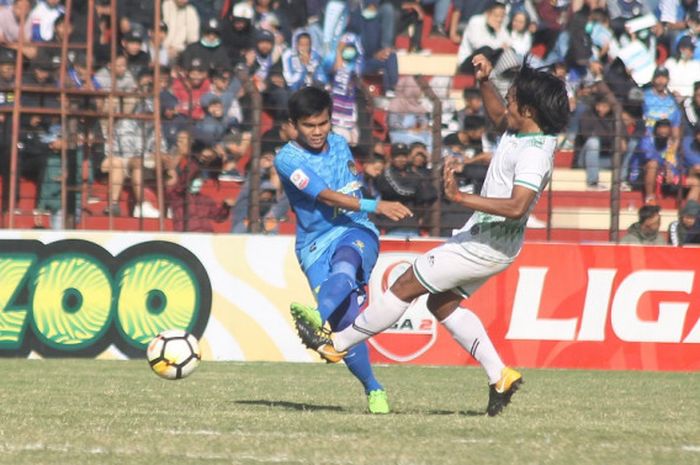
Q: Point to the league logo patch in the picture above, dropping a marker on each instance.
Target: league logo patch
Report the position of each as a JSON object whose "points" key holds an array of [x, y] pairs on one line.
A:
{"points": [[416, 332], [299, 179], [352, 167]]}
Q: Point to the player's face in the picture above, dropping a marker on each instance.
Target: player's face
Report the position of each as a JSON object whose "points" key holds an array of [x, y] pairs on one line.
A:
{"points": [[513, 117], [312, 131]]}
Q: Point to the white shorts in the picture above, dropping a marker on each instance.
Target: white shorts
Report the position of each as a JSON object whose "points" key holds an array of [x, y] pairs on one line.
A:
{"points": [[450, 267]]}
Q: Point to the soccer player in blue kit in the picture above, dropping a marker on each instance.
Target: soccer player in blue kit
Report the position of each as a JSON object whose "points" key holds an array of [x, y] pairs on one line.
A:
{"points": [[336, 243]]}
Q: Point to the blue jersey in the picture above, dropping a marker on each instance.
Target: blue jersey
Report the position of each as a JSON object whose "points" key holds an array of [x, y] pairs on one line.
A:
{"points": [[657, 107], [304, 175]]}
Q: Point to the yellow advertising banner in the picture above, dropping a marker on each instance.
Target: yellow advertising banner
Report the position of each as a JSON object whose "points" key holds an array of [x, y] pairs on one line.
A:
{"points": [[107, 294]]}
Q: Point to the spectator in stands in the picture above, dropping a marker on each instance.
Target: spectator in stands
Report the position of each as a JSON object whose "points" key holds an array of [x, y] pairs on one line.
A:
{"points": [[686, 229], [211, 129], [693, 31], [275, 138], [7, 99], [372, 168], [605, 45], [302, 64], [133, 149], [485, 34], [183, 25], [207, 9], [691, 110], [683, 69], [42, 18], [654, 165], [622, 10], [238, 34], [691, 162], [192, 210], [597, 134], [133, 14], [208, 48], [190, 88], [137, 60], [409, 119], [398, 183], [442, 8], [473, 105], [409, 17], [580, 47], [124, 80], [466, 151], [236, 144], [275, 204], [379, 56], [462, 13], [346, 69], [149, 46], [659, 104], [265, 67], [9, 22], [418, 159], [40, 135], [520, 35], [646, 230], [226, 87]]}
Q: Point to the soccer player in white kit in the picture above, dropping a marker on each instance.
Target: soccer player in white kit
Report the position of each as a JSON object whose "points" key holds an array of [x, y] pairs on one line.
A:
{"points": [[536, 109]]}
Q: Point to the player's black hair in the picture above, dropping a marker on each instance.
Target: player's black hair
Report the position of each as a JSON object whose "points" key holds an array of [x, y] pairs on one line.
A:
{"points": [[309, 101], [648, 211], [545, 95]]}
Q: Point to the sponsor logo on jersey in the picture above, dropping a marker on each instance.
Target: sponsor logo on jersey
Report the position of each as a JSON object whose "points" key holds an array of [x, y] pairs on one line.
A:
{"points": [[299, 179]]}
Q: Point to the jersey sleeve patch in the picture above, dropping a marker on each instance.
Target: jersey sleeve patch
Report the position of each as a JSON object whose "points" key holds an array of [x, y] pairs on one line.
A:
{"points": [[299, 179]]}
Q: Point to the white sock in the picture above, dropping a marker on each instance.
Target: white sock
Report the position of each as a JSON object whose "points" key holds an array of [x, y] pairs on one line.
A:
{"points": [[468, 330], [380, 315]]}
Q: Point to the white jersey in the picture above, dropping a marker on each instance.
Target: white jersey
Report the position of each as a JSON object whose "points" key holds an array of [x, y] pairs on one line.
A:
{"points": [[521, 159]]}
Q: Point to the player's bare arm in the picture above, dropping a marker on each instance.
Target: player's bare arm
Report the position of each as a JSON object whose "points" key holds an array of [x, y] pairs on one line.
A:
{"points": [[514, 207], [395, 211], [493, 103]]}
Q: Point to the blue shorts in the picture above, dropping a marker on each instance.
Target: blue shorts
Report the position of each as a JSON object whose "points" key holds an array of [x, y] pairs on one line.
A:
{"points": [[364, 241]]}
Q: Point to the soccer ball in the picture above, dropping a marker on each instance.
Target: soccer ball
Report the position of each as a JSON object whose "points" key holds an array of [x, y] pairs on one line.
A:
{"points": [[173, 354]]}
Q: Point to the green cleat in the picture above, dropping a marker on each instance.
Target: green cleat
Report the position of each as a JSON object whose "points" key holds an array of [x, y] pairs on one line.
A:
{"points": [[378, 402], [309, 314]]}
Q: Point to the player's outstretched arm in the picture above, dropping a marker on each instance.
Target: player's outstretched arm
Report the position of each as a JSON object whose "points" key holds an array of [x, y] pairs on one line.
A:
{"points": [[493, 103], [514, 207], [395, 211]]}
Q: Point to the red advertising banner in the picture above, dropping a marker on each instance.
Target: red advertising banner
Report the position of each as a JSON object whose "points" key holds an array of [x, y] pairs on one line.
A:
{"points": [[563, 306]]}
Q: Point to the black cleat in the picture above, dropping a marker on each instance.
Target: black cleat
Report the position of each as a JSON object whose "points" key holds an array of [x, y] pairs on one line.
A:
{"points": [[501, 391], [318, 339]]}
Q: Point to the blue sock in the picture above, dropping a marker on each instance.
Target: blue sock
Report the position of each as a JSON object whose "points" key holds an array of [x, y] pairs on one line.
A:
{"points": [[357, 359], [341, 281]]}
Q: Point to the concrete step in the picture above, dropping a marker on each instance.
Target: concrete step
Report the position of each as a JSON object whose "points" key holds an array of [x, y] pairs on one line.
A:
{"points": [[599, 218], [435, 64]]}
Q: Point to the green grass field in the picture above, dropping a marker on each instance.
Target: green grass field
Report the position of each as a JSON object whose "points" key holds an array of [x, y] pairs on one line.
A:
{"points": [[103, 412]]}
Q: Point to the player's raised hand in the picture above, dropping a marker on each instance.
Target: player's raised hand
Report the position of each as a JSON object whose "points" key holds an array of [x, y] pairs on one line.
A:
{"points": [[395, 211], [482, 66], [450, 183]]}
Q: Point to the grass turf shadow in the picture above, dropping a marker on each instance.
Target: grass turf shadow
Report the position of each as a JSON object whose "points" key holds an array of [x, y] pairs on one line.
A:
{"points": [[291, 405]]}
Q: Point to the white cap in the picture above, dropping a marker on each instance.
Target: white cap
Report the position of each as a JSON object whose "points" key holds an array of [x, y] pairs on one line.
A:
{"points": [[243, 10]]}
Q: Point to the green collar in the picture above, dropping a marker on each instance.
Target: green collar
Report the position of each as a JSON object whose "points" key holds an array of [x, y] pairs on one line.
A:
{"points": [[529, 134]]}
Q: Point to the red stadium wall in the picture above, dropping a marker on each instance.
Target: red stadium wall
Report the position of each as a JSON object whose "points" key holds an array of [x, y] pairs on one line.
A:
{"points": [[566, 306]]}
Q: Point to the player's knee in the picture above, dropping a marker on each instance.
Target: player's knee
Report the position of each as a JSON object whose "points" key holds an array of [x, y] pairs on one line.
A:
{"points": [[348, 255]]}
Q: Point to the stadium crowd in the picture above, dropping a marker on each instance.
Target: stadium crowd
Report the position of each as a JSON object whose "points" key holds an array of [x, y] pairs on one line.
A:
{"points": [[632, 68]]}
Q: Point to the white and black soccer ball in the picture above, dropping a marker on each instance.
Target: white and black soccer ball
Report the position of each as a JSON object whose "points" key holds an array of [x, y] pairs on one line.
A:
{"points": [[173, 354]]}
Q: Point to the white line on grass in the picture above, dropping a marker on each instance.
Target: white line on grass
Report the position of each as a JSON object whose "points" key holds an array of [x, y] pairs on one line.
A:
{"points": [[691, 448]]}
